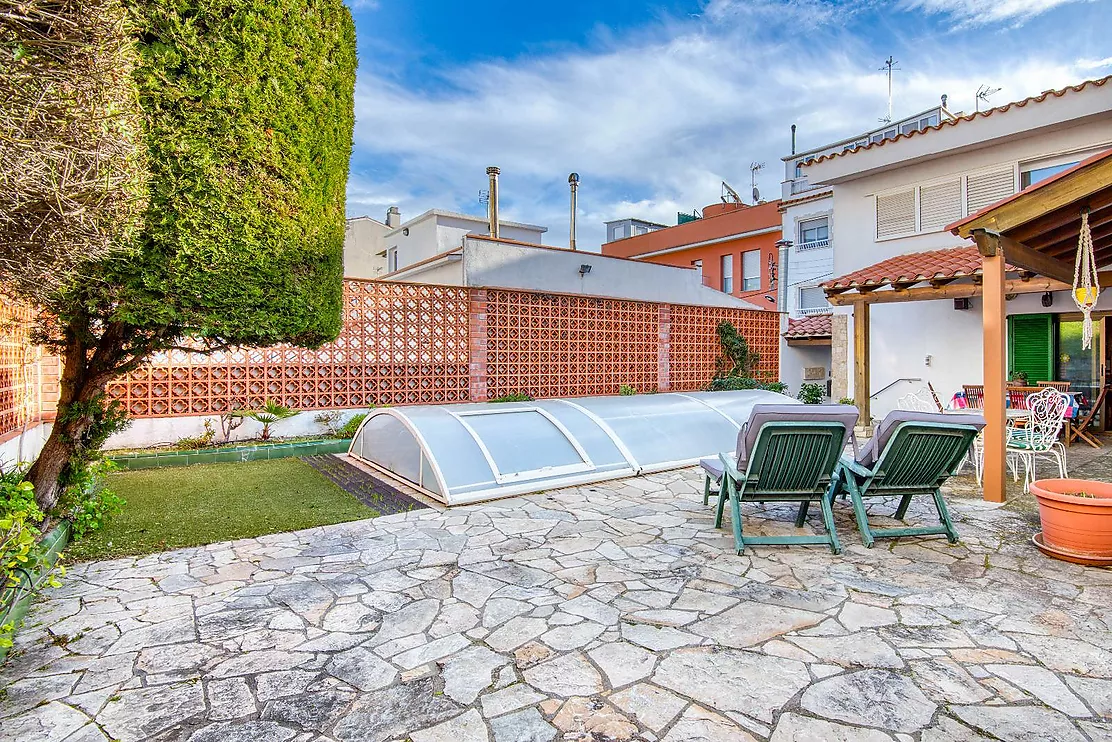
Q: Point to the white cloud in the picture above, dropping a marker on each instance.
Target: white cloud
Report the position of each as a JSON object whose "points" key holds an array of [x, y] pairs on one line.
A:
{"points": [[1093, 64], [984, 12], [653, 123]]}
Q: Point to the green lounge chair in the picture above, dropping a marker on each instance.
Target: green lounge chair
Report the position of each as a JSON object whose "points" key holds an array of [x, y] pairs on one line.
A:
{"points": [[785, 453], [912, 453]]}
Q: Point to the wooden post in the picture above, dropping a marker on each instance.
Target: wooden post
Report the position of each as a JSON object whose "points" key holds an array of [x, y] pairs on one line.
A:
{"points": [[993, 320], [861, 383]]}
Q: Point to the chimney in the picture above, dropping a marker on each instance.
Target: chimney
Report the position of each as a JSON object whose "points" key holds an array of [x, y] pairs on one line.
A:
{"points": [[573, 182], [793, 139], [492, 209], [393, 217]]}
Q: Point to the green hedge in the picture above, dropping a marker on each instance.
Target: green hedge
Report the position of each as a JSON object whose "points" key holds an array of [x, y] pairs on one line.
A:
{"points": [[249, 109]]}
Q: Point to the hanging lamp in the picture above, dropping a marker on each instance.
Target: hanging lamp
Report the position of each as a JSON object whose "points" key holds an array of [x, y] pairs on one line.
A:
{"points": [[1086, 285]]}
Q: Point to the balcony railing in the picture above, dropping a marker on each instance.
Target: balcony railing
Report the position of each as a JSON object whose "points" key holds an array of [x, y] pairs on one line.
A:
{"points": [[812, 245], [815, 310]]}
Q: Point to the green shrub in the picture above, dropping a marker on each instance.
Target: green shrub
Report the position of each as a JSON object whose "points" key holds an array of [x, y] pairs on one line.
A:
{"points": [[20, 554], [88, 503], [192, 443], [514, 397], [847, 400], [736, 358], [348, 429], [270, 413], [742, 383], [627, 390], [812, 393]]}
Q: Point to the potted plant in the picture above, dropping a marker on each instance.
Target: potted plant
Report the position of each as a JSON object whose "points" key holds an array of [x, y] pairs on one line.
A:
{"points": [[1076, 517]]}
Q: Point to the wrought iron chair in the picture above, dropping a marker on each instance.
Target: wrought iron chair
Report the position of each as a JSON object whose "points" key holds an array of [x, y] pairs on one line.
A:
{"points": [[913, 401], [1039, 436]]}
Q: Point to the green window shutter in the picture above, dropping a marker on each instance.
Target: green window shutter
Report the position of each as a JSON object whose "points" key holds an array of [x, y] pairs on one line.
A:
{"points": [[1031, 346]]}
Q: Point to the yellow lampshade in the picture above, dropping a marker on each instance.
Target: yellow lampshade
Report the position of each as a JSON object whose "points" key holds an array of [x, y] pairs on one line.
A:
{"points": [[1086, 296]]}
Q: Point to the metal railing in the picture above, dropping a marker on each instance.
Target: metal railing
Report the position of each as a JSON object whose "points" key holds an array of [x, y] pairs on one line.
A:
{"points": [[812, 245]]}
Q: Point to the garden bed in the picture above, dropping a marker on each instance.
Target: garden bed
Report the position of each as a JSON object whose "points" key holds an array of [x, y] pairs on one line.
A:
{"points": [[246, 451]]}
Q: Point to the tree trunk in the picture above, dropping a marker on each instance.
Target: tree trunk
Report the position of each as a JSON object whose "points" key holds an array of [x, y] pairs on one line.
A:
{"points": [[79, 384]]}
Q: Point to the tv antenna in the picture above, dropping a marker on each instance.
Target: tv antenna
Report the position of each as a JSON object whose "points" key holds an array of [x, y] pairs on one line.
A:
{"points": [[729, 195], [890, 65], [983, 93], [755, 168]]}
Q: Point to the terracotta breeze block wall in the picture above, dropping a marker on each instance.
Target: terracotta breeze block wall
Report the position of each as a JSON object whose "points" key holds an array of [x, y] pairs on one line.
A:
{"points": [[419, 344], [28, 378]]}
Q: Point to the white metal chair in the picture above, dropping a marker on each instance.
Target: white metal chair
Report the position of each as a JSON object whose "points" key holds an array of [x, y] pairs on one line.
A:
{"points": [[915, 403], [1039, 436]]}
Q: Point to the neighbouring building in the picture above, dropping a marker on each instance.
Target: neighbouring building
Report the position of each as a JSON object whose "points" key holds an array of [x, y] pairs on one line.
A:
{"points": [[505, 263], [807, 259], [364, 245], [887, 204], [733, 247], [437, 232], [622, 228]]}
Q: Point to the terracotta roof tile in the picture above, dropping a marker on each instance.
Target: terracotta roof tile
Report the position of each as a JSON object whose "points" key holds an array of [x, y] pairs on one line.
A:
{"points": [[813, 326], [969, 117], [955, 262]]}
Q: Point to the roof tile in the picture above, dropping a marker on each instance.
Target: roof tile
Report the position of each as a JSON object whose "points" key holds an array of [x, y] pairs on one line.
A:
{"points": [[815, 325], [954, 262], [969, 117]]}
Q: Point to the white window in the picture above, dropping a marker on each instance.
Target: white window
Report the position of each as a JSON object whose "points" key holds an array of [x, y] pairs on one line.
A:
{"points": [[391, 260], [813, 234], [751, 270], [939, 205], [728, 274], [1029, 175], [895, 214], [984, 189], [812, 300]]}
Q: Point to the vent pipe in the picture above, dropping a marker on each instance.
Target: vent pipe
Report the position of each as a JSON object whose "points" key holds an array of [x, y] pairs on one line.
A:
{"points": [[492, 208], [793, 139], [573, 183]]}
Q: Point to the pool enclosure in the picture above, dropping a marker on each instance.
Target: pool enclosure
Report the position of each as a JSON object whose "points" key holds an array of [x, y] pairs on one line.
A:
{"points": [[465, 453]]}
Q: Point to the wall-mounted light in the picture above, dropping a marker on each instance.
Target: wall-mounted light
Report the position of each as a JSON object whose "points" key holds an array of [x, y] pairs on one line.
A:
{"points": [[584, 269], [405, 231], [1048, 299]]}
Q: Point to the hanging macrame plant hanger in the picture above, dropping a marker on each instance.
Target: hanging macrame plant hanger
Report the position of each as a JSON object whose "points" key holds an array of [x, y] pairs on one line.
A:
{"points": [[1086, 285]]}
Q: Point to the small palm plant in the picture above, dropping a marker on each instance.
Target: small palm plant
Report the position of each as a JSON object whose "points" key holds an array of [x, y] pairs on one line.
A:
{"points": [[270, 413]]}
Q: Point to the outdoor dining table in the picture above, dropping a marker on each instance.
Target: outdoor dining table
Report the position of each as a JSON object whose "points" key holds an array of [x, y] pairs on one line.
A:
{"points": [[959, 404]]}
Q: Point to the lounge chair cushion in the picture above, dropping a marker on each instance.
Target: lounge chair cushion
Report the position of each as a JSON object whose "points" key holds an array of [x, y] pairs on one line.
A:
{"points": [[871, 451], [712, 465], [763, 413]]}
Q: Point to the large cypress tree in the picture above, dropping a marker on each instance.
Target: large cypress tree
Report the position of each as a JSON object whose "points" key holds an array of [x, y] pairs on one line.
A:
{"points": [[248, 109]]}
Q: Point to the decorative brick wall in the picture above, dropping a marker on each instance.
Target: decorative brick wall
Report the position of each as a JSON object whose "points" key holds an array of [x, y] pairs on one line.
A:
{"points": [[28, 378], [420, 344]]}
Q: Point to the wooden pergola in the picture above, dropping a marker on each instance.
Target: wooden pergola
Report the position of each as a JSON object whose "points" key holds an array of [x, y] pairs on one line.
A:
{"points": [[1025, 243]]}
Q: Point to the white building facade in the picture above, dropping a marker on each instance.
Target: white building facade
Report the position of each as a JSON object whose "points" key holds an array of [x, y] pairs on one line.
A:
{"points": [[436, 232], [897, 196]]}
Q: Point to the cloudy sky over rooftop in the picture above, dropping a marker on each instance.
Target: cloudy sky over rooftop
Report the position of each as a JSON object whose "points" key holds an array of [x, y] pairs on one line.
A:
{"points": [[655, 103]]}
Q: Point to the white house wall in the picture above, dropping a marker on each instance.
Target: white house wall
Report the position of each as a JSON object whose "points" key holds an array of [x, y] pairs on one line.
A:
{"points": [[488, 263], [904, 334], [363, 241]]}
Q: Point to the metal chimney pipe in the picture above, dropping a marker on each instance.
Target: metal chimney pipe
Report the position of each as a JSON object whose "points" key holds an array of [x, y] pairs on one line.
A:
{"points": [[573, 183], [793, 139], [492, 210]]}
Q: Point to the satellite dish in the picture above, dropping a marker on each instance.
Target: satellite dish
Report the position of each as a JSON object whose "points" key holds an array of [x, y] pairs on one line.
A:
{"points": [[756, 195], [729, 195]]}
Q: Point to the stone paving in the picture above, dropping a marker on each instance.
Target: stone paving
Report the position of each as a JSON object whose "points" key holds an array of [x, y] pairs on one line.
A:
{"points": [[606, 612]]}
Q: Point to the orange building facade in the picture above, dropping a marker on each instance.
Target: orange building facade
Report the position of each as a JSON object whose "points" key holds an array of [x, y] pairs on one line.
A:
{"points": [[734, 245]]}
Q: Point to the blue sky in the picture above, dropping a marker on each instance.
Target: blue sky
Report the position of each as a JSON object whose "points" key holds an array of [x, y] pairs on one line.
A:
{"points": [[654, 103]]}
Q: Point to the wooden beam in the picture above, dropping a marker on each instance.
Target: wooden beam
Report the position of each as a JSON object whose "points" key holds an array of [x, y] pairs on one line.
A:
{"points": [[1026, 207], [953, 291], [993, 321], [991, 244], [861, 383], [1098, 203], [804, 342]]}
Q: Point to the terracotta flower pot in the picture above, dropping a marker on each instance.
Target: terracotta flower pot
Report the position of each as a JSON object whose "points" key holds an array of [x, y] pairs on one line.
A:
{"points": [[1080, 526]]}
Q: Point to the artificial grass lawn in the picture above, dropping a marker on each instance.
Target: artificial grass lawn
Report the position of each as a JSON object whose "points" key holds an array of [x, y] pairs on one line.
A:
{"points": [[196, 505]]}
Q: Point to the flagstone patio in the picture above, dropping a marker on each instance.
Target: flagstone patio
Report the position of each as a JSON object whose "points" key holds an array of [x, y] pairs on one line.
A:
{"points": [[606, 612]]}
